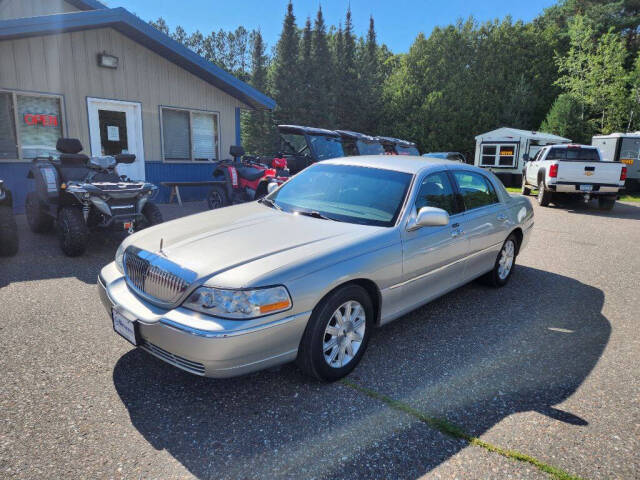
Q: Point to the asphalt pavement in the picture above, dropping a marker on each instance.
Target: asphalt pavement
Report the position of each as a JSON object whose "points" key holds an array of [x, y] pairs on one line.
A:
{"points": [[546, 369]]}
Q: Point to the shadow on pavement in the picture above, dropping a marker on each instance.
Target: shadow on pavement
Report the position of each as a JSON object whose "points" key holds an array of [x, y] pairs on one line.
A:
{"points": [[620, 210], [473, 357]]}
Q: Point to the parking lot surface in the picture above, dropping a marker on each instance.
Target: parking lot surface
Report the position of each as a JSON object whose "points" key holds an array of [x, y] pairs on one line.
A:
{"points": [[547, 368]]}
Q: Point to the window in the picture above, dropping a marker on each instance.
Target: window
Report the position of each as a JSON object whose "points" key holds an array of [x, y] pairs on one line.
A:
{"points": [[573, 153], [499, 155], [189, 135], [30, 125], [475, 189], [629, 150], [436, 191]]}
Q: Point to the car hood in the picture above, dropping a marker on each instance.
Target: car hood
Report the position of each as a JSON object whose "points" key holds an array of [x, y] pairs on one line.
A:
{"points": [[215, 242]]}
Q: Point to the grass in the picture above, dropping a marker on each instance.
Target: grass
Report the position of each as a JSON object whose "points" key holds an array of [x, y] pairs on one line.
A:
{"points": [[454, 431]]}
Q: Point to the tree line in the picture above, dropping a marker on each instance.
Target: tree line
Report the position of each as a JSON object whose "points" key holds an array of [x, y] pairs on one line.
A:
{"points": [[573, 71]]}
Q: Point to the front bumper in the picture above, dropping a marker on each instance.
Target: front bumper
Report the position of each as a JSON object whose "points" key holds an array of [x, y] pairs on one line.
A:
{"points": [[200, 344]]}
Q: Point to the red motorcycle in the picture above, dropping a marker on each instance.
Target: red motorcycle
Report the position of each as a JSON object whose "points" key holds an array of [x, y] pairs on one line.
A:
{"points": [[244, 178]]}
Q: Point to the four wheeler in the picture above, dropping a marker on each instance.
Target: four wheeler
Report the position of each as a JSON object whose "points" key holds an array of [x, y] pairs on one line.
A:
{"points": [[244, 180], [302, 146], [395, 146], [354, 144], [78, 193], [8, 227]]}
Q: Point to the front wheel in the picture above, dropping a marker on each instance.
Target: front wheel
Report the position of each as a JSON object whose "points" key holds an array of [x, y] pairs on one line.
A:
{"points": [[73, 233], [544, 196], [217, 197], [152, 215], [337, 334]]}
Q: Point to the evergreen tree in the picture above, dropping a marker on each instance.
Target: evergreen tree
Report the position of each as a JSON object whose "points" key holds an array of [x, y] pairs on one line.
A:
{"points": [[370, 82], [564, 119], [321, 74], [286, 72], [347, 105], [306, 73]]}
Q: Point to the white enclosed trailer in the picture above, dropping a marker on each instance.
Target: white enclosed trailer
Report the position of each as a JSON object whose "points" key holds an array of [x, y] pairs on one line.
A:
{"points": [[503, 151], [625, 148]]}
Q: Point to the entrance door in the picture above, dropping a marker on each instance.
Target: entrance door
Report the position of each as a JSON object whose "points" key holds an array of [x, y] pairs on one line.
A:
{"points": [[116, 127]]}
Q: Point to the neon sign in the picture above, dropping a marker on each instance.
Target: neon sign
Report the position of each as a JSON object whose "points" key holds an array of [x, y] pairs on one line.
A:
{"points": [[41, 119]]}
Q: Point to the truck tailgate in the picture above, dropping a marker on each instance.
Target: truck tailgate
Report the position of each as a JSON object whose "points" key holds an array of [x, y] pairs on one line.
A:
{"points": [[594, 173]]}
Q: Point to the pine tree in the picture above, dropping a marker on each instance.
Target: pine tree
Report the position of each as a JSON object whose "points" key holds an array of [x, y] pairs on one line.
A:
{"points": [[321, 74], [306, 67], [347, 104], [564, 119], [286, 71], [370, 82]]}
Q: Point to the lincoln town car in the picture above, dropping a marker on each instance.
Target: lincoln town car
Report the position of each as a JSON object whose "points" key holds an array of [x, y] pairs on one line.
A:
{"points": [[306, 273]]}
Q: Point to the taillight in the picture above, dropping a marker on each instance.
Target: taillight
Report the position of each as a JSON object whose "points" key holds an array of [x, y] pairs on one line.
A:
{"points": [[623, 174], [553, 170]]}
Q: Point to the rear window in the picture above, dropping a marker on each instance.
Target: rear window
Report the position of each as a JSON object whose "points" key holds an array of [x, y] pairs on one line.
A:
{"points": [[575, 154]]}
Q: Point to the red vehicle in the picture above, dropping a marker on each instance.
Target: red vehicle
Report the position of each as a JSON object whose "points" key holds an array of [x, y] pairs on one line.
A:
{"points": [[244, 178]]}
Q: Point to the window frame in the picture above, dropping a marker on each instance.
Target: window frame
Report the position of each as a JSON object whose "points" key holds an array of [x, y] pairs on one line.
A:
{"points": [[458, 204], [496, 155], [460, 197], [190, 111], [14, 105]]}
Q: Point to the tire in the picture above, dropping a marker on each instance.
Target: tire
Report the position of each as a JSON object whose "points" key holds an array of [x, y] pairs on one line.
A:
{"points": [[311, 353], [498, 277], [524, 189], [217, 197], [39, 221], [606, 203], [72, 231], [8, 232], [544, 196], [152, 215]]}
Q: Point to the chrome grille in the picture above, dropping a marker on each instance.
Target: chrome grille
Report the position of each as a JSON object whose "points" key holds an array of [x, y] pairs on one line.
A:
{"points": [[173, 359], [155, 277]]}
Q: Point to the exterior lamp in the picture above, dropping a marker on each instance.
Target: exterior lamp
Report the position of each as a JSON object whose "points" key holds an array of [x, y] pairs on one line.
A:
{"points": [[107, 61]]}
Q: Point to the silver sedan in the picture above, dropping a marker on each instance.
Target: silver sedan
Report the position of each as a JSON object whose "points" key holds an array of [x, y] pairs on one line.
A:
{"points": [[307, 272]]}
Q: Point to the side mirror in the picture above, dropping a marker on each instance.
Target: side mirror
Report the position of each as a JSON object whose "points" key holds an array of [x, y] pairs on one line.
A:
{"points": [[430, 217], [525, 157], [271, 187]]}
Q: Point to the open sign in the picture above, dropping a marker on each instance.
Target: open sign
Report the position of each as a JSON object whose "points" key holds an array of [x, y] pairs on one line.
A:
{"points": [[41, 119]]}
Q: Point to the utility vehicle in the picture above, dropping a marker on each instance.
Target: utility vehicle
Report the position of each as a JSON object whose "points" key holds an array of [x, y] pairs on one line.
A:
{"points": [[302, 146], [354, 143], [396, 146]]}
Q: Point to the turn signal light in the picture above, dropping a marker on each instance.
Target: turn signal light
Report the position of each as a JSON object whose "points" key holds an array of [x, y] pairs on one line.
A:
{"points": [[275, 306], [553, 171], [623, 174]]}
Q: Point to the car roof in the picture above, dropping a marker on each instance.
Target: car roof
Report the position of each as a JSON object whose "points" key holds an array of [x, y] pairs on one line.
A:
{"points": [[399, 163]]}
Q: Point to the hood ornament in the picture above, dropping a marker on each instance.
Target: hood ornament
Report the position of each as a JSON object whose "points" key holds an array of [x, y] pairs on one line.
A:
{"points": [[161, 252]]}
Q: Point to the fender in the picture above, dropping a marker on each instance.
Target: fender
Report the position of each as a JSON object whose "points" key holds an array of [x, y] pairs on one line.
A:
{"points": [[221, 172]]}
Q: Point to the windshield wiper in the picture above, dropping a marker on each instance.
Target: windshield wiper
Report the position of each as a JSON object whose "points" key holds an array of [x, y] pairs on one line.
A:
{"points": [[271, 203], [314, 214]]}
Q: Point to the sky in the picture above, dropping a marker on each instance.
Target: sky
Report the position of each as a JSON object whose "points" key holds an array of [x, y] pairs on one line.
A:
{"points": [[397, 21]]}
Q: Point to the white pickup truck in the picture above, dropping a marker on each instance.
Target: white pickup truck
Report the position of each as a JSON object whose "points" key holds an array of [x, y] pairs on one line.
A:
{"points": [[576, 170]]}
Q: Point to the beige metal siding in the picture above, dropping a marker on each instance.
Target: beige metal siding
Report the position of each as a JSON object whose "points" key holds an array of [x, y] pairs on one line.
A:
{"points": [[67, 64], [33, 8]]}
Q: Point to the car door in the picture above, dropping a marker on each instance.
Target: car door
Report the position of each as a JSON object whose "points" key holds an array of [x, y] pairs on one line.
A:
{"points": [[532, 168], [433, 257], [485, 222]]}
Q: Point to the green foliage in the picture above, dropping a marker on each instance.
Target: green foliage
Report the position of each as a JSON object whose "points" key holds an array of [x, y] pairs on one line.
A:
{"points": [[322, 72], [286, 72], [564, 119]]}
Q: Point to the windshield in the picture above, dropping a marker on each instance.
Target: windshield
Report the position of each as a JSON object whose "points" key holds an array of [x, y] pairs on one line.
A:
{"points": [[367, 196], [574, 153], [402, 150], [370, 148], [326, 147]]}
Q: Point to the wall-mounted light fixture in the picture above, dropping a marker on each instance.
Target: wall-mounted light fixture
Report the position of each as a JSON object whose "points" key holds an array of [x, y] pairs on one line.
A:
{"points": [[107, 61]]}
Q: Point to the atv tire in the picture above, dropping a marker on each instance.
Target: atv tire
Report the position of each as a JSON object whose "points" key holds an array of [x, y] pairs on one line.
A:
{"points": [[72, 231], [39, 221], [217, 197], [152, 214], [8, 232]]}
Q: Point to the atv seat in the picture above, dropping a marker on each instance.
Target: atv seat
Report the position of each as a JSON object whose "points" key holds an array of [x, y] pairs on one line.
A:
{"points": [[73, 165], [249, 173]]}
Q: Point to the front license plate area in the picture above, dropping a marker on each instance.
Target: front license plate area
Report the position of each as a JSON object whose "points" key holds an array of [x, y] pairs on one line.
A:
{"points": [[586, 188], [125, 327]]}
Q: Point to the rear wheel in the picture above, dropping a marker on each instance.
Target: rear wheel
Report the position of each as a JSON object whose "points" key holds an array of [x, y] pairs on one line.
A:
{"points": [[544, 196], [606, 203], [39, 221], [72, 231], [217, 197], [152, 215], [337, 334], [524, 189], [8, 232]]}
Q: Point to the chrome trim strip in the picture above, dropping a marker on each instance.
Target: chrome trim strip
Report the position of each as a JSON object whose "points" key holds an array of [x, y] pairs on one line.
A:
{"points": [[439, 269], [229, 333]]}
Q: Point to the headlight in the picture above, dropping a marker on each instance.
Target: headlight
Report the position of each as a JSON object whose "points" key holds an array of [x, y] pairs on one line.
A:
{"points": [[239, 304], [120, 258]]}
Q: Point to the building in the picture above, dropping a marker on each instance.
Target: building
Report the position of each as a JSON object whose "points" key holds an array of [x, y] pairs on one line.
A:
{"points": [[76, 68]]}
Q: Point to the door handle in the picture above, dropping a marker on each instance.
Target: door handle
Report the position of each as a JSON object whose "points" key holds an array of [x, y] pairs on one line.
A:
{"points": [[502, 217]]}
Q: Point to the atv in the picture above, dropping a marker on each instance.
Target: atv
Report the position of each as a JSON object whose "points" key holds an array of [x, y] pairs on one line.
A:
{"points": [[302, 146], [244, 178], [8, 227], [354, 144], [395, 146], [78, 193]]}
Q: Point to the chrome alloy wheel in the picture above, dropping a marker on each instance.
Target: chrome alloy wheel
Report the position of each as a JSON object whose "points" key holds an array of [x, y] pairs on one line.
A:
{"points": [[507, 255], [344, 334]]}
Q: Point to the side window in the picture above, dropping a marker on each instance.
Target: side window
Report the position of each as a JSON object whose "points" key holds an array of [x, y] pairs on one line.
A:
{"points": [[436, 191], [475, 189]]}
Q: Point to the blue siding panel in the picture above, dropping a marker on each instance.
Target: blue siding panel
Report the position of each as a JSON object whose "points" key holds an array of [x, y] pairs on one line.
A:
{"points": [[157, 172], [15, 178]]}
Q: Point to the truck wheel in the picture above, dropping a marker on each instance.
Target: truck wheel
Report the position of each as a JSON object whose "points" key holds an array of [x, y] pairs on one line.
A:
{"points": [[525, 190], [72, 231], [39, 221], [544, 196], [8, 232], [606, 203], [337, 334], [152, 215], [217, 197]]}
